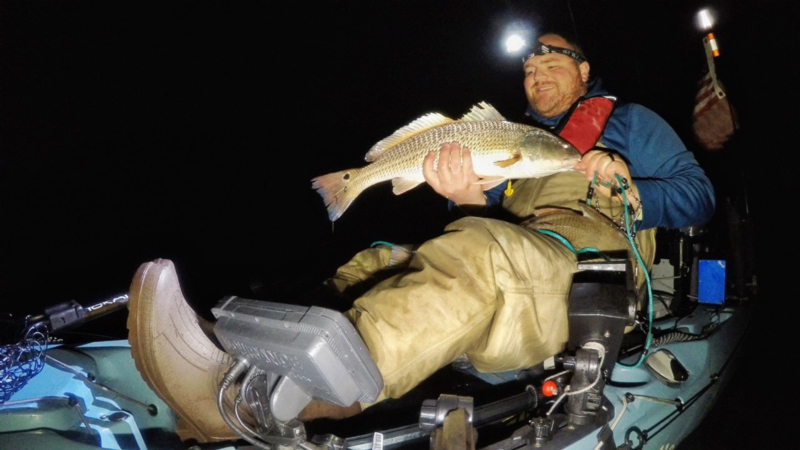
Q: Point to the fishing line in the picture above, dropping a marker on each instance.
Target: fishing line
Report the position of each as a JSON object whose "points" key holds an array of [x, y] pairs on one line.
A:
{"points": [[572, 18]]}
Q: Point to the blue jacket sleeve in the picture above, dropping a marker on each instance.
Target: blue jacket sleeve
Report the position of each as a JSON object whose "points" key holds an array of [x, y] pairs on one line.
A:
{"points": [[675, 191]]}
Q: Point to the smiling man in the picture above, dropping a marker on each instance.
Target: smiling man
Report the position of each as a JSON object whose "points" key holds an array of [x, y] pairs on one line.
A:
{"points": [[555, 78]]}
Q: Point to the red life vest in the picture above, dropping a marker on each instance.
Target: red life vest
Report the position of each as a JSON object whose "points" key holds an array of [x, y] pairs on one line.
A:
{"points": [[584, 123]]}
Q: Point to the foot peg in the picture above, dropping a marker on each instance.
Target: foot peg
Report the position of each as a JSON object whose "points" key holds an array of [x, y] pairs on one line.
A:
{"points": [[449, 420]]}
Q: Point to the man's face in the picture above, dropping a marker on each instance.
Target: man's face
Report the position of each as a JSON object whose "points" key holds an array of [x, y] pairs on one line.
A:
{"points": [[554, 81]]}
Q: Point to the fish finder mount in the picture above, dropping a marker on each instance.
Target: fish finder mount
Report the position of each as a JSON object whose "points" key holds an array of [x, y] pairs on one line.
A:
{"points": [[285, 356]]}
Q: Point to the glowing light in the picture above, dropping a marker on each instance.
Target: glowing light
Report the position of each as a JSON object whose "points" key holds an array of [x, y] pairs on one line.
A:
{"points": [[518, 37], [705, 20], [514, 43]]}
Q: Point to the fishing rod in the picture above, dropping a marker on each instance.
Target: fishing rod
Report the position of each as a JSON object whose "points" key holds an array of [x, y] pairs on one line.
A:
{"points": [[23, 359], [71, 314]]}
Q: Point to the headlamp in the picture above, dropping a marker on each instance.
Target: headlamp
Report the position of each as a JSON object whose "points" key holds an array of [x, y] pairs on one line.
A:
{"points": [[542, 49]]}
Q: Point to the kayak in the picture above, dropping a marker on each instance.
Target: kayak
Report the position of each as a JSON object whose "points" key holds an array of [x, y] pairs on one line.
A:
{"points": [[628, 378]]}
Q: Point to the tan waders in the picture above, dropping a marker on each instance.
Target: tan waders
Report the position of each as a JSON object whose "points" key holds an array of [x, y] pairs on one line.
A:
{"points": [[494, 290]]}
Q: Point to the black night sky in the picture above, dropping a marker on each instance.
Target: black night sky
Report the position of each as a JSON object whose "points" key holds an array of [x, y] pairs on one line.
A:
{"points": [[131, 131]]}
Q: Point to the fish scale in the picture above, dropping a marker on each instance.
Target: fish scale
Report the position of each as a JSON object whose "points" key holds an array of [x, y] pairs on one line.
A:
{"points": [[500, 150]]}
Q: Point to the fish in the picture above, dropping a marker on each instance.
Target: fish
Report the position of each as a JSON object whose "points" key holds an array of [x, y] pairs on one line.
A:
{"points": [[500, 150]]}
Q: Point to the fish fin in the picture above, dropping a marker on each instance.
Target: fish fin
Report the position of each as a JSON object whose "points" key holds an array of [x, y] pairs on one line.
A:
{"points": [[482, 111], [517, 157], [403, 185], [414, 128], [333, 188]]}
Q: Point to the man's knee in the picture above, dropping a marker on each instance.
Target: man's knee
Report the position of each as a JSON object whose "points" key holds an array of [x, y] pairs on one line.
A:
{"points": [[501, 240]]}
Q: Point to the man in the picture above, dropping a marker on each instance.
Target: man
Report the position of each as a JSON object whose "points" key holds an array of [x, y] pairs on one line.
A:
{"points": [[493, 290]]}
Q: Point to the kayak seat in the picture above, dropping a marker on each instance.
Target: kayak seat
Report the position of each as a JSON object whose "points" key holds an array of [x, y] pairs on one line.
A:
{"points": [[602, 308]]}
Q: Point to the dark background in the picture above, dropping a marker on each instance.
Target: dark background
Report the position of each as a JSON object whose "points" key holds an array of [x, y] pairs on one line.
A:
{"points": [[191, 130]]}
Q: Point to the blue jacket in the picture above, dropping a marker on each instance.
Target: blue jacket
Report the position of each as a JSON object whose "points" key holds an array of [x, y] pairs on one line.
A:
{"points": [[675, 191]]}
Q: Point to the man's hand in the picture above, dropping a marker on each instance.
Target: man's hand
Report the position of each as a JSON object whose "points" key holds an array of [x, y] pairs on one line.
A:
{"points": [[607, 165], [453, 176]]}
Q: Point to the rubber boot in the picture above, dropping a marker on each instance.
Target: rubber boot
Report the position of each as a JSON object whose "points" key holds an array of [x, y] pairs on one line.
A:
{"points": [[174, 355]]}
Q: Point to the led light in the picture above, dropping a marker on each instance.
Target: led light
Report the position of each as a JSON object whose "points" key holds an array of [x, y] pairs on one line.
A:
{"points": [[517, 38], [705, 20], [514, 43]]}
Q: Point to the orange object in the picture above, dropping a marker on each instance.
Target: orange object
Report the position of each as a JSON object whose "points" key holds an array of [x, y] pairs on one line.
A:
{"points": [[550, 388], [713, 42]]}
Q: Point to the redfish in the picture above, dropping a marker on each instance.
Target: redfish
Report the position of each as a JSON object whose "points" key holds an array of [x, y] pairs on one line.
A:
{"points": [[500, 150]]}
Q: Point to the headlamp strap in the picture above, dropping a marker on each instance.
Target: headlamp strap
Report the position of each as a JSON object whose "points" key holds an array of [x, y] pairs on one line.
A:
{"points": [[542, 49]]}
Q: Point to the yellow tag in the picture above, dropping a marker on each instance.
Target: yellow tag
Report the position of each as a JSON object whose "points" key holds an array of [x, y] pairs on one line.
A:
{"points": [[509, 190]]}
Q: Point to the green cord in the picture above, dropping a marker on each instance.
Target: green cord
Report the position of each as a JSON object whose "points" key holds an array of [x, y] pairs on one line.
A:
{"points": [[629, 234], [377, 243], [569, 245]]}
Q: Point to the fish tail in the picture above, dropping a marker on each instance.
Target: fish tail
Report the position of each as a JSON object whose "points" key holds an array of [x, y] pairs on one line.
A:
{"points": [[333, 188]]}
